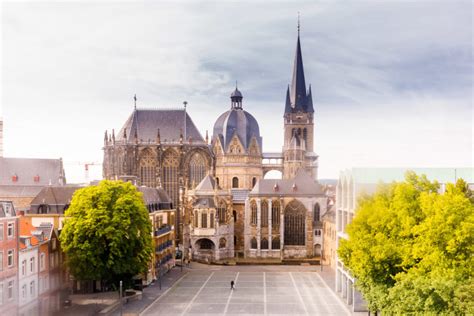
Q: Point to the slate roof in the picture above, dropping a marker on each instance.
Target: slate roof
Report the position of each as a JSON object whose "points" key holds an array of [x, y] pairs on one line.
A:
{"points": [[301, 185], [55, 195], [240, 122], [153, 195], [170, 122], [206, 184], [47, 171], [19, 190], [297, 99], [206, 202]]}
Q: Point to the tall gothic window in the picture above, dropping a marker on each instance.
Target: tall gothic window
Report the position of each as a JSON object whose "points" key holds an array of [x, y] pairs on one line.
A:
{"points": [[196, 219], [253, 243], [264, 213], [204, 220], [253, 211], [170, 176], [276, 243], [275, 213], [316, 212], [212, 219], [221, 212], [264, 244], [235, 182], [148, 169], [295, 224], [305, 134], [254, 181], [197, 170]]}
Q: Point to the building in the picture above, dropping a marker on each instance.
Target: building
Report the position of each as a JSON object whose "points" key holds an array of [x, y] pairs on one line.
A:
{"points": [[329, 237], [8, 258], [215, 186], [356, 182], [21, 179]]}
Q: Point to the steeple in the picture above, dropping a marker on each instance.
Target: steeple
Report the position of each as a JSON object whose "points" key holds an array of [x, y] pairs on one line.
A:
{"points": [[236, 98], [299, 99]]}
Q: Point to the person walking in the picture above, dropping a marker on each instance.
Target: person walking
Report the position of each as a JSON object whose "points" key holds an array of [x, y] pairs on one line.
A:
{"points": [[232, 284]]}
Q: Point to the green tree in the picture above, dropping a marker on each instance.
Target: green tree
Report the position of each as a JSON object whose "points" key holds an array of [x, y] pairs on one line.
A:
{"points": [[411, 248], [107, 233]]}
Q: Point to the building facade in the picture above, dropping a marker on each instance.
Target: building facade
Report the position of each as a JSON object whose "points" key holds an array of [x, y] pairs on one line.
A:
{"points": [[216, 186]]}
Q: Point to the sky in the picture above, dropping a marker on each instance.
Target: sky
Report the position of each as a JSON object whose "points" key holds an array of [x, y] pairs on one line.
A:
{"points": [[392, 81]]}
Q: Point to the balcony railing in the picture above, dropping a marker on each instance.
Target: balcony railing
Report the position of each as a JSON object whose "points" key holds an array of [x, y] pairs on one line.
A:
{"points": [[162, 230], [167, 244]]}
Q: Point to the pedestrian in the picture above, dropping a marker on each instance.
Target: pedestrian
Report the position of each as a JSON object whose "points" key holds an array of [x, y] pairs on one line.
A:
{"points": [[232, 284]]}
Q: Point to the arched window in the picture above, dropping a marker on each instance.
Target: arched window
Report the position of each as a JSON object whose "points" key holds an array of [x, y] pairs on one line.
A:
{"points": [[203, 220], [305, 134], [170, 176], [235, 182], [253, 210], [212, 219], [148, 168], [275, 213], [43, 209], [253, 243], [222, 243], [254, 181], [264, 213], [316, 212], [196, 219], [221, 212], [295, 229], [197, 170], [217, 181], [276, 243], [264, 244], [234, 213]]}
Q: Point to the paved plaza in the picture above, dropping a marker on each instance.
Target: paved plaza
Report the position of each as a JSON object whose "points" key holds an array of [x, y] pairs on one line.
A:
{"points": [[207, 292]]}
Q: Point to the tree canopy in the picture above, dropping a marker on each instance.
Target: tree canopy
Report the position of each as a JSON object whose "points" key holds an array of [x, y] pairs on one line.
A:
{"points": [[410, 248], [107, 233]]}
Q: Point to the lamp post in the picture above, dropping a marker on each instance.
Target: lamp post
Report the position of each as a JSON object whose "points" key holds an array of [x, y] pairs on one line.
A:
{"points": [[120, 292]]}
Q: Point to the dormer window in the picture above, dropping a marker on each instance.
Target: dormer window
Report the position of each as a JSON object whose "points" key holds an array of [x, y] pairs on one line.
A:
{"points": [[36, 178], [14, 178]]}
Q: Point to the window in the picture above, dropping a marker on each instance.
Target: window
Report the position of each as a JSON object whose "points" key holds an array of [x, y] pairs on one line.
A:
{"points": [[221, 212], [32, 288], [53, 243], [264, 243], [254, 181], [197, 170], [42, 261], [295, 224], [264, 213], [148, 168], [11, 230], [23, 291], [10, 290], [276, 243], [1, 260], [170, 175], [196, 219], [316, 212], [275, 213], [10, 258], [217, 181], [43, 209], [253, 210], [1, 293], [235, 182], [253, 243], [212, 218], [23, 267], [234, 214], [32, 264], [204, 220], [317, 232], [1, 231]]}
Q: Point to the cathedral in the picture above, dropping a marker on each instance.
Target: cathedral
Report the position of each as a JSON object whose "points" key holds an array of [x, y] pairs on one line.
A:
{"points": [[225, 207]]}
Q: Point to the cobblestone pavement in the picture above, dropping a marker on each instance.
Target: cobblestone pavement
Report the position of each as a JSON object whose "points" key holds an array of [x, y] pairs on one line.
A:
{"points": [[260, 290]]}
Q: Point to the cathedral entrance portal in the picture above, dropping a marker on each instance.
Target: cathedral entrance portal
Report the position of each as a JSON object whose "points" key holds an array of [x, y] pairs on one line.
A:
{"points": [[205, 250]]}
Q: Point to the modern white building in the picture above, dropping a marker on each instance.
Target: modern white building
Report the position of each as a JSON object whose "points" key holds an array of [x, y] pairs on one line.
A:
{"points": [[355, 182], [27, 275]]}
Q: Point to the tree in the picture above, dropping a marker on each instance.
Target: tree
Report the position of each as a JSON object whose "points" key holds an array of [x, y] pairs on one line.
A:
{"points": [[107, 233], [411, 248]]}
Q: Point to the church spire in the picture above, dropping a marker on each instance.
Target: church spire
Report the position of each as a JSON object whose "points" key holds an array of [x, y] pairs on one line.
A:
{"points": [[299, 99]]}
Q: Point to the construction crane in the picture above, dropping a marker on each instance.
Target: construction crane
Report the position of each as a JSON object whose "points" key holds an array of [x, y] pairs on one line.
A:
{"points": [[86, 165]]}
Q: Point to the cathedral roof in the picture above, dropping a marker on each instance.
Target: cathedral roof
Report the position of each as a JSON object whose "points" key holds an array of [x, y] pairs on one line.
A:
{"points": [[171, 123], [238, 122], [301, 185]]}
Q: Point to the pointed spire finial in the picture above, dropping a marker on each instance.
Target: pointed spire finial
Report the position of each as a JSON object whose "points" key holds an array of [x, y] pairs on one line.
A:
{"points": [[158, 137], [135, 99], [298, 23], [236, 85], [207, 137]]}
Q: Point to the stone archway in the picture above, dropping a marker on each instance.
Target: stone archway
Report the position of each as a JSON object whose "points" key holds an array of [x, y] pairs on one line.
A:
{"points": [[204, 250]]}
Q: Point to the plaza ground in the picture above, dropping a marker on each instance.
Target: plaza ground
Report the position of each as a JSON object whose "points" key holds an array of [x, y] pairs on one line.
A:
{"points": [[260, 290]]}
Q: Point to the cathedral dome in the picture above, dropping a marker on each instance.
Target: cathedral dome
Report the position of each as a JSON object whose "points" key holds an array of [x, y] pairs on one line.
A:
{"points": [[238, 122]]}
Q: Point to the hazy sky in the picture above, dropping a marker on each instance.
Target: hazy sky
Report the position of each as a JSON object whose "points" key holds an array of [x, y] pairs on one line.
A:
{"points": [[391, 81]]}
